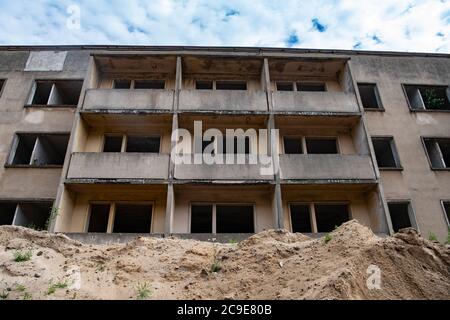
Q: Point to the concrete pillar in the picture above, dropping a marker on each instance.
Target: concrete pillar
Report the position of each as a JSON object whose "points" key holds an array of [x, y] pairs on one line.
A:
{"points": [[170, 209], [178, 83]]}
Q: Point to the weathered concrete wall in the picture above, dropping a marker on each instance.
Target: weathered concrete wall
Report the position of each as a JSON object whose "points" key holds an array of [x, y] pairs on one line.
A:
{"points": [[424, 187], [125, 99], [220, 172], [315, 101], [25, 183], [223, 100], [96, 165], [325, 166]]}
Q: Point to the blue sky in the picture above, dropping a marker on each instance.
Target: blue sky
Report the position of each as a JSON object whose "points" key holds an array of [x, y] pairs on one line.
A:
{"points": [[400, 25]]}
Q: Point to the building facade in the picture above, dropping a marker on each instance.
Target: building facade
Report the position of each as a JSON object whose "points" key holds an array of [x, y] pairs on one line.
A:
{"points": [[88, 134]]}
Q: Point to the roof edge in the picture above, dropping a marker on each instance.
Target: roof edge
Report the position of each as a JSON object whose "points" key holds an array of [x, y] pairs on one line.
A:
{"points": [[255, 50]]}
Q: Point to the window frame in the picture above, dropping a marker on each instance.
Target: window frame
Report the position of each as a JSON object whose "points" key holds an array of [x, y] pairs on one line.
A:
{"points": [[377, 96], [112, 213], [15, 143], [404, 85], [32, 91], [411, 212], [2, 89], [394, 150], [423, 138], [305, 147], [443, 202], [214, 212], [312, 212]]}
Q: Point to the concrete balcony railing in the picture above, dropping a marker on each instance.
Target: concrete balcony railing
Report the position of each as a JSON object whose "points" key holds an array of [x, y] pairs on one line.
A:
{"points": [[220, 172], [315, 101], [124, 99], [222, 100], [96, 165], [325, 166]]}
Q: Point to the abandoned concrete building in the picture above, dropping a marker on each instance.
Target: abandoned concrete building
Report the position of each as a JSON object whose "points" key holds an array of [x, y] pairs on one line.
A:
{"points": [[86, 148]]}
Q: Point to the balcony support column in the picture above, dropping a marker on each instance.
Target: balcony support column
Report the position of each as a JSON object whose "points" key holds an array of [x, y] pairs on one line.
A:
{"points": [[278, 215], [170, 210]]}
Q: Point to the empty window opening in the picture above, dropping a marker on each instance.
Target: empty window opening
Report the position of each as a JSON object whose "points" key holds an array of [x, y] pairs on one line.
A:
{"points": [[369, 95], [122, 84], [201, 218], [132, 218], [446, 206], [385, 152], [2, 83], [65, 93], [315, 87], [292, 145], [330, 216], [57, 93], [285, 86], [428, 97], [33, 215], [143, 144], [42, 92], [149, 84], [300, 218], [231, 85], [7, 212], [438, 151], [112, 143], [98, 218], [400, 215], [321, 145], [234, 219], [24, 149], [40, 150], [203, 85]]}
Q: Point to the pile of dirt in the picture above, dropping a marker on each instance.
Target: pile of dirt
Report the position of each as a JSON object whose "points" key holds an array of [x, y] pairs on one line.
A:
{"points": [[350, 263]]}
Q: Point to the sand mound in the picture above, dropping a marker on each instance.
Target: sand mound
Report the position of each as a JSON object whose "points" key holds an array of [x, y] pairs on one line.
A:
{"points": [[274, 264]]}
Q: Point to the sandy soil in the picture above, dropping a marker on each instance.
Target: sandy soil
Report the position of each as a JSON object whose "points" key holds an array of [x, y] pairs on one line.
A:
{"points": [[269, 265]]}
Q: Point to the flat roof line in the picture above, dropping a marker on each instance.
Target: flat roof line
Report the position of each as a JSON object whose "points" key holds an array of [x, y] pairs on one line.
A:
{"points": [[256, 50]]}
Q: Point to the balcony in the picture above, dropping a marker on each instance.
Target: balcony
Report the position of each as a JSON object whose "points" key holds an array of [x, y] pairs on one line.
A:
{"points": [[220, 172], [325, 167], [112, 166], [125, 99], [223, 100], [341, 102]]}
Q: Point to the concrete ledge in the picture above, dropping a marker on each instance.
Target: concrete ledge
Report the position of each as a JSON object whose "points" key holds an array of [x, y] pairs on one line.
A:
{"points": [[223, 100], [326, 166], [100, 165], [315, 102], [113, 238], [128, 99]]}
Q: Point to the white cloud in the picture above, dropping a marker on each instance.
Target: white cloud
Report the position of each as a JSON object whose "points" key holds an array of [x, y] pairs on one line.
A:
{"points": [[404, 25]]}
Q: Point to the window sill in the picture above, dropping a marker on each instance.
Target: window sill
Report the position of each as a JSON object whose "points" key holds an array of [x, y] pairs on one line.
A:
{"points": [[27, 166], [390, 168], [429, 110], [440, 169], [374, 109], [48, 106]]}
